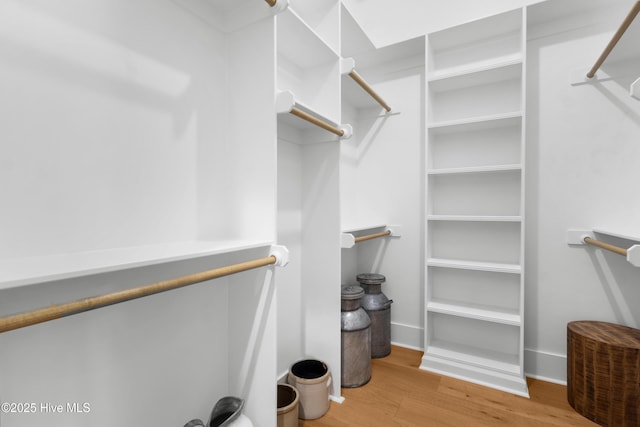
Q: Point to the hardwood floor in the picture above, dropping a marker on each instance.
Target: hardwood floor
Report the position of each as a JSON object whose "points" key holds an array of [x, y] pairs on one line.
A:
{"points": [[400, 394]]}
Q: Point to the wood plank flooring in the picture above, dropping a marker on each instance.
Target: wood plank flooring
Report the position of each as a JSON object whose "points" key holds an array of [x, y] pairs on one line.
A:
{"points": [[400, 394]]}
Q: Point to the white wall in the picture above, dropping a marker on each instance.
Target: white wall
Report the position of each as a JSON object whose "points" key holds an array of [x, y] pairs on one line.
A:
{"points": [[582, 171], [102, 117]]}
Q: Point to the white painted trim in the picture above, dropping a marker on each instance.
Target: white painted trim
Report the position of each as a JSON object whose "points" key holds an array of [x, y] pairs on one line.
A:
{"points": [[282, 378], [337, 399], [550, 367], [407, 336]]}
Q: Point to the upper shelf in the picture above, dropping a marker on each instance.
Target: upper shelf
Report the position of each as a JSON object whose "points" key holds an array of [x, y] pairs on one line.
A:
{"points": [[460, 47], [466, 78], [505, 62], [17, 272]]}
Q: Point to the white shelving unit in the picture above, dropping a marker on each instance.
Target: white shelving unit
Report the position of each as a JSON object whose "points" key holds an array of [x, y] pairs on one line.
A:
{"points": [[308, 223], [475, 199]]}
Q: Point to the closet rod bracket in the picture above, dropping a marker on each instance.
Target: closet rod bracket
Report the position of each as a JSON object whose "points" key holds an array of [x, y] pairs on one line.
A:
{"points": [[633, 255], [281, 253], [278, 5], [579, 77], [577, 236]]}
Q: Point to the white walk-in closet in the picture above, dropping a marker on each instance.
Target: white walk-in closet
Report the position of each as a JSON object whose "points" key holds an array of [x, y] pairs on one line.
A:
{"points": [[186, 184]]}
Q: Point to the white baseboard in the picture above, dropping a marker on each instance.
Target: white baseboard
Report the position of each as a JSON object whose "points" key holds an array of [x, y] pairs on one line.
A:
{"points": [[407, 336], [545, 366]]}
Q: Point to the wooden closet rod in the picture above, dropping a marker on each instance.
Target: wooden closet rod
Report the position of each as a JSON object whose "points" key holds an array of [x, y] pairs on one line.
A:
{"points": [[616, 38], [616, 249], [271, 2], [372, 236], [311, 119], [355, 76], [53, 312]]}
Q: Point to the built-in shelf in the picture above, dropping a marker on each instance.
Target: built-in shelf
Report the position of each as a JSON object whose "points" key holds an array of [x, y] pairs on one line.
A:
{"points": [[474, 265], [489, 92], [490, 193], [475, 169], [477, 76], [505, 61], [468, 355], [470, 44], [476, 218], [485, 120], [475, 311], [17, 272]]}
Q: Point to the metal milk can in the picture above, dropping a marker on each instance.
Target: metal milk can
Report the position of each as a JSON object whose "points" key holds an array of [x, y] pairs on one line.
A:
{"points": [[356, 338], [378, 307]]}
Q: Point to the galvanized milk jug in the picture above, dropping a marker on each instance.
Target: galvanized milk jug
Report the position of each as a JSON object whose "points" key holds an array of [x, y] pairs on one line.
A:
{"points": [[378, 307], [356, 338]]}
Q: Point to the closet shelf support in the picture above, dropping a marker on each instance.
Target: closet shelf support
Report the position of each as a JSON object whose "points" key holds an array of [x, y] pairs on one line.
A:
{"points": [[279, 256], [278, 5], [615, 39]]}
